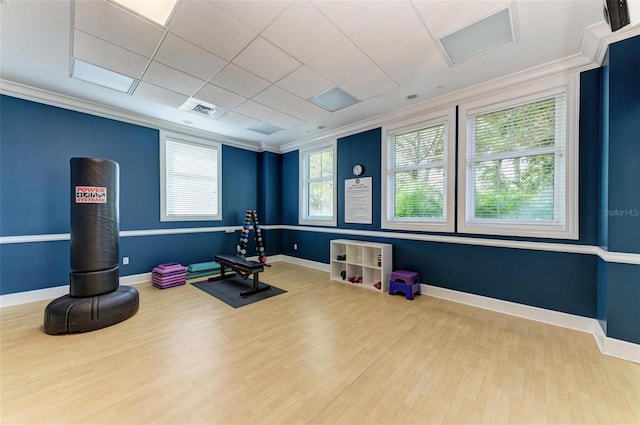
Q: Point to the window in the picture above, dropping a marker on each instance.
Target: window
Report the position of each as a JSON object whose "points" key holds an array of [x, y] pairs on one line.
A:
{"points": [[518, 166], [190, 178], [318, 186], [418, 184]]}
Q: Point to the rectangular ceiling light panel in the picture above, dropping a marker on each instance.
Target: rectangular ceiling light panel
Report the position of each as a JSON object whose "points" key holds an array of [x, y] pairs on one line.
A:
{"points": [[334, 99], [155, 10], [101, 76], [479, 38]]}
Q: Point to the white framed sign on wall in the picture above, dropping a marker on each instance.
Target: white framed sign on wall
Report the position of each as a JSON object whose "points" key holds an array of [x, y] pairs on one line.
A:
{"points": [[358, 200]]}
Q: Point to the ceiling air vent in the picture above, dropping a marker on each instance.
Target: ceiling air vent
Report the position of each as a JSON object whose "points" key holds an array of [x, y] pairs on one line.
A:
{"points": [[204, 109], [201, 107]]}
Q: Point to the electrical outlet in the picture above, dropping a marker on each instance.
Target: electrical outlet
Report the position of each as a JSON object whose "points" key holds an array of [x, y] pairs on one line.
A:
{"points": [[125, 260], [295, 246]]}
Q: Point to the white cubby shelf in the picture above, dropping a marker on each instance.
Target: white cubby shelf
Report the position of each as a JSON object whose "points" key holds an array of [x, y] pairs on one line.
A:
{"points": [[370, 261]]}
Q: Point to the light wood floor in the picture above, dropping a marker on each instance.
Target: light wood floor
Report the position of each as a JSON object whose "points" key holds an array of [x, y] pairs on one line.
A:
{"points": [[323, 353]]}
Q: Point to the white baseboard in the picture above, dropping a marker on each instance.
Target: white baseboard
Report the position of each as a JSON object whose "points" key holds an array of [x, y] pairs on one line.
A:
{"points": [[59, 291], [301, 262], [556, 318], [615, 347], [609, 346]]}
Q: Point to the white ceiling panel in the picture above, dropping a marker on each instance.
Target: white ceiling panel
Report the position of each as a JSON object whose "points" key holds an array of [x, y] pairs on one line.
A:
{"points": [[99, 52], [153, 93], [239, 81], [369, 84], [189, 58], [377, 50], [172, 79], [254, 14], [466, 12], [111, 23], [307, 111], [283, 120], [207, 26], [219, 96], [398, 33], [237, 120], [302, 31], [256, 110], [342, 62], [305, 83], [409, 67], [266, 60], [352, 15], [277, 98]]}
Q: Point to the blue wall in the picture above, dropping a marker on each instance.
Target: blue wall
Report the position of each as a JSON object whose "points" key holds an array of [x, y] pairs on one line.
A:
{"points": [[619, 284], [365, 149], [36, 144], [270, 198], [624, 146], [289, 188]]}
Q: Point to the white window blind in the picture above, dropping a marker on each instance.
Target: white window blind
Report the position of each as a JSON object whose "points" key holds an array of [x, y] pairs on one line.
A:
{"points": [[417, 165], [318, 183], [516, 164], [191, 180]]}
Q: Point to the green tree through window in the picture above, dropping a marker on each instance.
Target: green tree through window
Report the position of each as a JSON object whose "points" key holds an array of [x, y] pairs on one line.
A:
{"points": [[514, 162], [417, 173]]}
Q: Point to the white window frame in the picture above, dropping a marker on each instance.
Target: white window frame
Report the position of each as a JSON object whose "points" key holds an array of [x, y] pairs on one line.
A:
{"points": [[563, 229], [182, 138], [303, 214], [447, 224]]}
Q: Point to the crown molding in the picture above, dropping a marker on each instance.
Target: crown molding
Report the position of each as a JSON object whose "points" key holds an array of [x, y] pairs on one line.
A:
{"points": [[598, 37], [50, 98], [571, 64], [595, 43]]}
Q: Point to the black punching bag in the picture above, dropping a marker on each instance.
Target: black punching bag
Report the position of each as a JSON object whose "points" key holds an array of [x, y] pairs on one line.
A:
{"points": [[95, 227]]}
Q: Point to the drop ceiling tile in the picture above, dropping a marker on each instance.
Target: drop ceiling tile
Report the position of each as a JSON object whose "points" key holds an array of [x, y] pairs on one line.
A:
{"points": [[266, 60], [256, 110], [219, 96], [369, 84], [171, 79], [436, 13], [153, 93], [407, 68], [302, 31], [283, 120], [239, 81], [254, 14], [342, 62], [277, 98], [206, 26], [237, 120], [305, 83], [104, 54], [188, 58], [109, 22], [307, 111], [400, 32], [350, 16]]}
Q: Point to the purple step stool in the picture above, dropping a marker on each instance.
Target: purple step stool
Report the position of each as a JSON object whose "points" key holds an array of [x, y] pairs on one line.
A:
{"points": [[406, 282], [168, 275]]}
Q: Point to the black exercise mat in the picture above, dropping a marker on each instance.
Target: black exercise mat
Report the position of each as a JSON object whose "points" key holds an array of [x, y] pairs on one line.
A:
{"points": [[228, 290]]}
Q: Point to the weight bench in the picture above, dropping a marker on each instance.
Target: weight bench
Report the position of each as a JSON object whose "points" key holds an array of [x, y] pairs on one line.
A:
{"points": [[244, 268]]}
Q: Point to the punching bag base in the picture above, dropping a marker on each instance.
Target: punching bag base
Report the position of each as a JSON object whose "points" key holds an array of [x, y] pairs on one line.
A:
{"points": [[69, 314]]}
